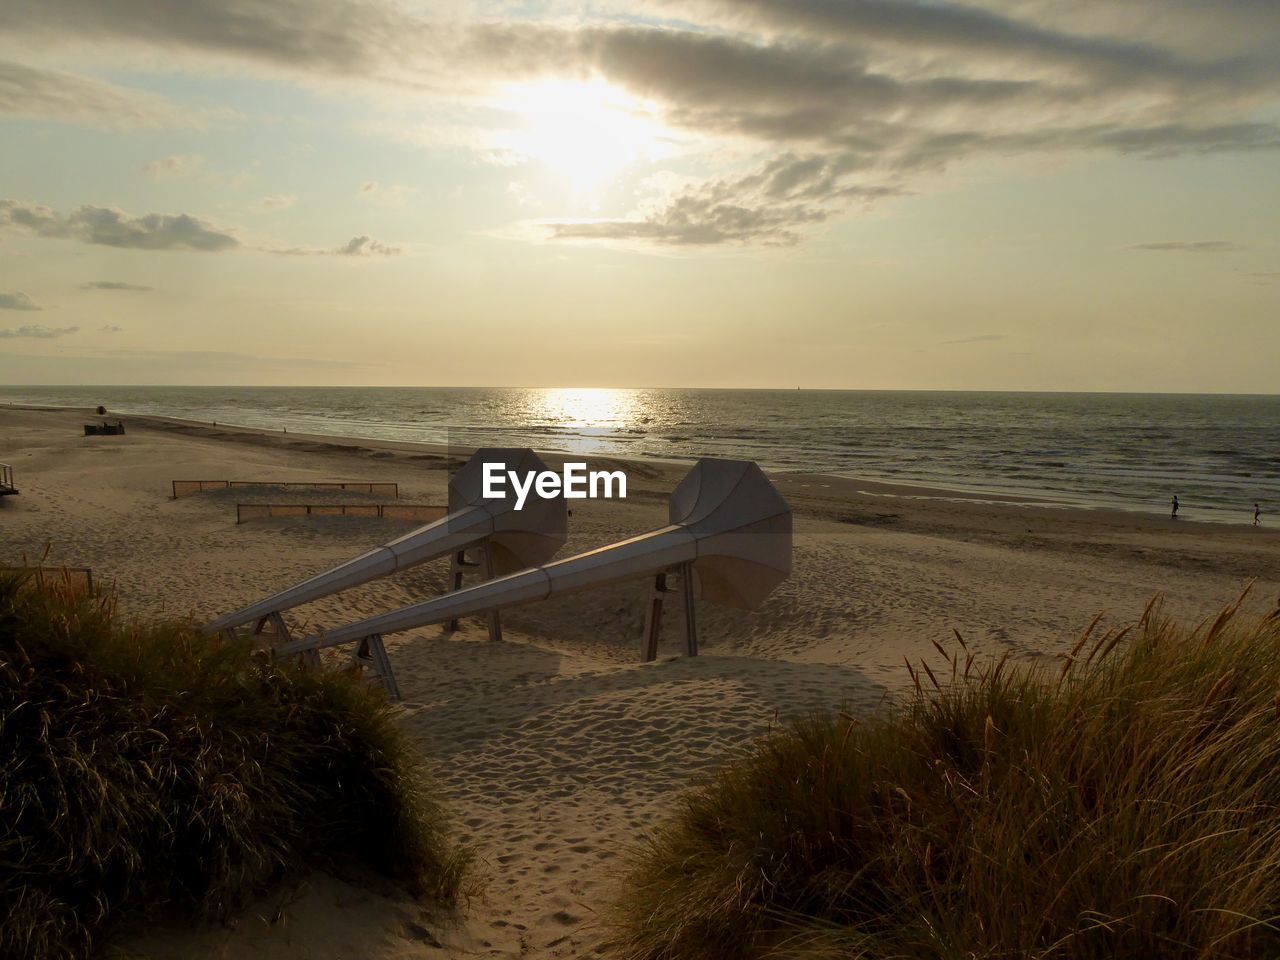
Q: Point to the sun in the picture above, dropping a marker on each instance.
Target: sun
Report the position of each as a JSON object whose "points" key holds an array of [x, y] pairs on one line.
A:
{"points": [[587, 132]]}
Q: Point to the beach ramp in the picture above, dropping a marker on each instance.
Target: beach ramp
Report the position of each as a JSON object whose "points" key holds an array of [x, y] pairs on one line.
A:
{"points": [[728, 539], [507, 538]]}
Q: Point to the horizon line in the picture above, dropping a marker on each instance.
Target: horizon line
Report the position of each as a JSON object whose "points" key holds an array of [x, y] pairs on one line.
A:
{"points": [[796, 389]]}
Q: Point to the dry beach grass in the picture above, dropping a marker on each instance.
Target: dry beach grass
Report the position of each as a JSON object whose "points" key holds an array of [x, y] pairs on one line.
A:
{"points": [[1126, 807], [152, 773]]}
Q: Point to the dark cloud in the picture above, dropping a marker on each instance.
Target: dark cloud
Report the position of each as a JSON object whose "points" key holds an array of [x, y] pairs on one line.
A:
{"points": [[1191, 246], [938, 27], [114, 228], [35, 332], [39, 94], [17, 301], [110, 328], [361, 246], [334, 36], [1173, 139], [113, 285], [366, 246]]}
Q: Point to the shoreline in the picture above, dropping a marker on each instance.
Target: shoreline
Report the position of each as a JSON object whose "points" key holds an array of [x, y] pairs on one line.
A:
{"points": [[869, 486]]}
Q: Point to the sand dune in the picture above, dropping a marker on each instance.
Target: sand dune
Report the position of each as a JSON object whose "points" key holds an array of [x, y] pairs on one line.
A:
{"points": [[556, 748]]}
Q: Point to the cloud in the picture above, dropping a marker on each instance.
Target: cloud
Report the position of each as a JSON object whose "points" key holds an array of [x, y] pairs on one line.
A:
{"points": [[35, 332], [113, 285], [110, 328], [17, 301], [361, 246], [769, 205], [114, 228], [980, 338], [857, 114], [1191, 246], [366, 246], [36, 94], [174, 166], [950, 28], [339, 37], [275, 202], [879, 97]]}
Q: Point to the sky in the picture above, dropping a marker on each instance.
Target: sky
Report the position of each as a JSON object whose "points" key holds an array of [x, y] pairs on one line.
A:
{"points": [[879, 194]]}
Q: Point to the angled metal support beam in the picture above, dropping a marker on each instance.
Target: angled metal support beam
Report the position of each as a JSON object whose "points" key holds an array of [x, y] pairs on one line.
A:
{"points": [[730, 534], [518, 538]]}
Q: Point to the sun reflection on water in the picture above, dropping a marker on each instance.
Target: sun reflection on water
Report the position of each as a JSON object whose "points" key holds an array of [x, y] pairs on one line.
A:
{"points": [[592, 408]]}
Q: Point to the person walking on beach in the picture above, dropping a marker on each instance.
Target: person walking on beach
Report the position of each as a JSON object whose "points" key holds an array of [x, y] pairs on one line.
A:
{"points": [[1257, 515], [1174, 514]]}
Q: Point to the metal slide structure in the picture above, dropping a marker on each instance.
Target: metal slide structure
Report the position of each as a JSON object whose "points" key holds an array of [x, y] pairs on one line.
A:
{"points": [[729, 536], [507, 539]]}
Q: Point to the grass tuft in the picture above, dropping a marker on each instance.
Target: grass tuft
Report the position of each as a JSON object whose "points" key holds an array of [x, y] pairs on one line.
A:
{"points": [[151, 772], [1124, 806]]}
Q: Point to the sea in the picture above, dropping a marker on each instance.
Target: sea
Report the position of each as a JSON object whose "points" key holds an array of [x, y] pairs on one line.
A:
{"points": [[1218, 453]]}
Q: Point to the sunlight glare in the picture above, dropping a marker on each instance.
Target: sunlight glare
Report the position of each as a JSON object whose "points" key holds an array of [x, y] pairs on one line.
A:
{"points": [[591, 407], [585, 131]]}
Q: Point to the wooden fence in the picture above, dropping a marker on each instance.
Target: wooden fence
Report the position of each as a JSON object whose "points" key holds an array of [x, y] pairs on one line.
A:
{"points": [[185, 488], [79, 579], [420, 512]]}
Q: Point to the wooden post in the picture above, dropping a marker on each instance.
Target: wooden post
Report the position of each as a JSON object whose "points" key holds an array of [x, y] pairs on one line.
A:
{"points": [[690, 611], [372, 654], [495, 617], [456, 564], [282, 630], [653, 620], [456, 568]]}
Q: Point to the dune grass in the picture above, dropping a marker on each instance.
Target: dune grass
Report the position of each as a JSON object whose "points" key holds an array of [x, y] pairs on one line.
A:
{"points": [[150, 772], [1127, 806]]}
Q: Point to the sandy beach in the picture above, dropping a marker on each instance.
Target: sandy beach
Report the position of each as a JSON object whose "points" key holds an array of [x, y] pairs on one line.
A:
{"points": [[556, 748]]}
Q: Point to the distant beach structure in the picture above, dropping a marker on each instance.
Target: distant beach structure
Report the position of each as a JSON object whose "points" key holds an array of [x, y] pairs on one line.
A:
{"points": [[104, 429]]}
